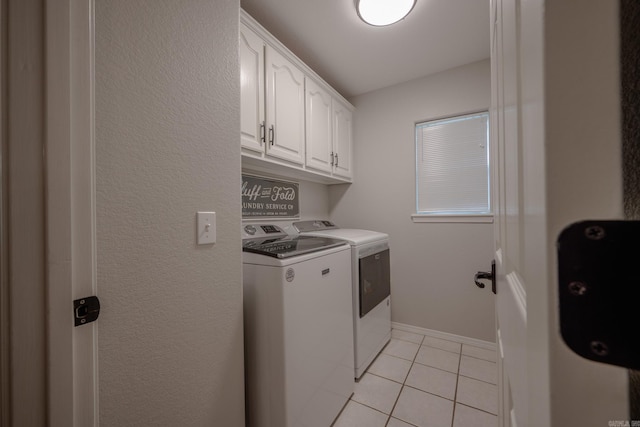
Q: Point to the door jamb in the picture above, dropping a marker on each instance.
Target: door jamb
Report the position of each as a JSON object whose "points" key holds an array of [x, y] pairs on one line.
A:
{"points": [[70, 198], [5, 341]]}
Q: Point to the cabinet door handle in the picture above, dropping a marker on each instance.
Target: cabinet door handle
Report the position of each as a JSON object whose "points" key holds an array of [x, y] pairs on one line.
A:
{"points": [[332, 158], [262, 133], [271, 134], [336, 159]]}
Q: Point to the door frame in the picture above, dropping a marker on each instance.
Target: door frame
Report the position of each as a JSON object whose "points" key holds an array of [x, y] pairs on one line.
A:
{"points": [[47, 219], [23, 282], [5, 354], [70, 215]]}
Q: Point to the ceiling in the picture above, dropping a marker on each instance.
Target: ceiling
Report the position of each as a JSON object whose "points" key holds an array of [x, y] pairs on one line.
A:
{"points": [[356, 58]]}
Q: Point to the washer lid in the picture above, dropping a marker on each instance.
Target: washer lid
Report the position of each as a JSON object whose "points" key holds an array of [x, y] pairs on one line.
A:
{"points": [[289, 246]]}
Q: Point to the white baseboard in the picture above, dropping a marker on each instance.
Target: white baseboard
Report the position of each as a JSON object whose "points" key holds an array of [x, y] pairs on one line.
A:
{"points": [[444, 335]]}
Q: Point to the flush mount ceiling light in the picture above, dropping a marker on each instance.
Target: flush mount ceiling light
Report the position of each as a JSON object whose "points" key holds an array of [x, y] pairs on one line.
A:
{"points": [[383, 12]]}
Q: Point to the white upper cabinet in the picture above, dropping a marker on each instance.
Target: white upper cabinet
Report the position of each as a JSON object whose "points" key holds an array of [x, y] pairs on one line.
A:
{"points": [[319, 129], [342, 139], [272, 101], [328, 131], [292, 123], [285, 108], [252, 120]]}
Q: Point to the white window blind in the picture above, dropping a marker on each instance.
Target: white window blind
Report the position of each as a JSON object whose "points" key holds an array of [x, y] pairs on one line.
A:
{"points": [[452, 166]]}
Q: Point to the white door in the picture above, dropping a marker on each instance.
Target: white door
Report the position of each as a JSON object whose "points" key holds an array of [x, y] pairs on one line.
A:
{"points": [[556, 154], [285, 108]]}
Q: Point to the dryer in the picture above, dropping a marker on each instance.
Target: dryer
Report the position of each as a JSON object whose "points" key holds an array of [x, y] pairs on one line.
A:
{"points": [[371, 286]]}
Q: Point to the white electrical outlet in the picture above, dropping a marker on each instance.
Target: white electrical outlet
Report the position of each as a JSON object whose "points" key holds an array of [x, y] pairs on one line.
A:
{"points": [[206, 228]]}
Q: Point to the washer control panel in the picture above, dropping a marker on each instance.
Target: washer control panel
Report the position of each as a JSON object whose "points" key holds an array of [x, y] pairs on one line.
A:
{"points": [[252, 231]]}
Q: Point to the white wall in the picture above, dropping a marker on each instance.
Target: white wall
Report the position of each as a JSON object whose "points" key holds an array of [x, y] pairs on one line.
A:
{"points": [[432, 264], [167, 120], [314, 200]]}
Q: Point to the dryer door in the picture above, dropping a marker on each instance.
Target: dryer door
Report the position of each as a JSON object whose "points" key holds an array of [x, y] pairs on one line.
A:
{"points": [[375, 280]]}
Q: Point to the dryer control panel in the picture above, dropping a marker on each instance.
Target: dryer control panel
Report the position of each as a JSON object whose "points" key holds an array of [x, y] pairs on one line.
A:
{"points": [[315, 225]]}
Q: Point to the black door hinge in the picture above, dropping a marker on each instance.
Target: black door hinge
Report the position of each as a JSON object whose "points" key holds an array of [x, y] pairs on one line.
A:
{"points": [[599, 290]]}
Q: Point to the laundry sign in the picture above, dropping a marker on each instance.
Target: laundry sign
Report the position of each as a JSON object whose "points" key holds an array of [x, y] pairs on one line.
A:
{"points": [[263, 197]]}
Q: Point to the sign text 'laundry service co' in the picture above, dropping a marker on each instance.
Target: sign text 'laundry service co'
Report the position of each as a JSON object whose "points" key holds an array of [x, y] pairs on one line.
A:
{"points": [[262, 197]]}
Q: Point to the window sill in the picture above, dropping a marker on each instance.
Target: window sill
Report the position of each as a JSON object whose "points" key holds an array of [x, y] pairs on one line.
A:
{"points": [[453, 218]]}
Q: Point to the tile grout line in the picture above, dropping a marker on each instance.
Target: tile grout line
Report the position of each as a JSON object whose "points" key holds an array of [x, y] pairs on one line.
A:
{"points": [[459, 353], [478, 379], [455, 395], [404, 381], [388, 379], [475, 379], [477, 358], [403, 385], [430, 392], [366, 406], [478, 409], [450, 351]]}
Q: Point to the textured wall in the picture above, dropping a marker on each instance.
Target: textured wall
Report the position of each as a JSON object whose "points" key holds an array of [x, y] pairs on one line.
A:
{"points": [[314, 200], [167, 120], [432, 264]]}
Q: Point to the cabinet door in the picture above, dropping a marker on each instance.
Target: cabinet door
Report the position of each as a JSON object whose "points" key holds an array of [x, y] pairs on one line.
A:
{"points": [[319, 152], [342, 139], [252, 131], [285, 108]]}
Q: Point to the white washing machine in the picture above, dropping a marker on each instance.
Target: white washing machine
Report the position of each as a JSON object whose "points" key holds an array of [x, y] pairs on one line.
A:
{"points": [[298, 327], [371, 283]]}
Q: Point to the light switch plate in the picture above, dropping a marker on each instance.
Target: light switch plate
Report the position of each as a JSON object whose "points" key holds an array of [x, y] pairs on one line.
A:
{"points": [[206, 228]]}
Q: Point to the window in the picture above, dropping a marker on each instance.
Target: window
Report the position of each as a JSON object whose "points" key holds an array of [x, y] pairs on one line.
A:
{"points": [[452, 169]]}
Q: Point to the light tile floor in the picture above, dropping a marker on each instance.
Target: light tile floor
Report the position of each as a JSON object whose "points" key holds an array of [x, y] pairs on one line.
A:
{"points": [[420, 381]]}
